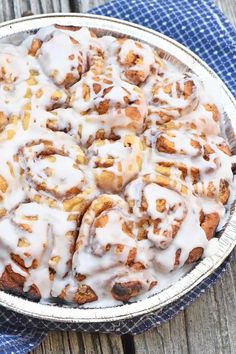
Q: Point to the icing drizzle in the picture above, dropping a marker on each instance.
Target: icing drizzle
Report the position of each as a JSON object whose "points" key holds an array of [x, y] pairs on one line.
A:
{"points": [[113, 173]]}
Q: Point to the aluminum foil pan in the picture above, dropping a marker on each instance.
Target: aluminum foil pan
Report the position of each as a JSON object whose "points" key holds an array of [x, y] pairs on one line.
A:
{"points": [[183, 57]]}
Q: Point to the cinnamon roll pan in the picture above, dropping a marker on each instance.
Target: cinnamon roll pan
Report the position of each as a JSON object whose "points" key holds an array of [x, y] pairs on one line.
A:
{"points": [[15, 31]]}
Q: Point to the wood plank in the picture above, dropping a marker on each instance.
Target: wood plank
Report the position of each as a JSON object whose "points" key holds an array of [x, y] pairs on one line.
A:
{"points": [[103, 343], [168, 338], [85, 5], [228, 7], [57, 342], [6, 10], [111, 344], [72, 342], [225, 298], [210, 321], [10, 9]]}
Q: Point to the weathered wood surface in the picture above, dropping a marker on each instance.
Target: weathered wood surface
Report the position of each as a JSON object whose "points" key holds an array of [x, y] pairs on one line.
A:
{"points": [[208, 326], [229, 9]]}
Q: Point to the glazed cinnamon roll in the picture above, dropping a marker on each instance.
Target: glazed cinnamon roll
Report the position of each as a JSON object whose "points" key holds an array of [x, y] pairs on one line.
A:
{"points": [[171, 97], [108, 102], [63, 71], [35, 94], [37, 250], [136, 60], [205, 120], [80, 49], [105, 256], [165, 209], [131, 284], [101, 105], [82, 128], [160, 203], [55, 174], [23, 85], [11, 190], [14, 64], [115, 163], [203, 163]]}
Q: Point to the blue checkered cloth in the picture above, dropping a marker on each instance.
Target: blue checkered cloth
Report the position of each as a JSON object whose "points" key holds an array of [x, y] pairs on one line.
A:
{"points": [[200, 26]]}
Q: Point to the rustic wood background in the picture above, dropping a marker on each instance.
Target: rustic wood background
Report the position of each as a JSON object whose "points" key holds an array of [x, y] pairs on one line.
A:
{"points": [[208, 326]]}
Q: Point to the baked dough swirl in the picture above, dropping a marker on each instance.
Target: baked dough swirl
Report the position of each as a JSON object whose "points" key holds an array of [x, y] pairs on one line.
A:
{"points": [[36, 235], [55, 172], [115, 163], [171, 97], [161, 206], [136, 61], [102, 97], [110, 253], [197, 160]]}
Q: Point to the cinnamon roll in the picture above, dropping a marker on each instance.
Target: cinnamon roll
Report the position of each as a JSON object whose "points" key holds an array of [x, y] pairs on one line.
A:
{"points": [[108, 102], [11, 190], [204, 119], [203, 163], [55, 173], [135, 60], [38, 244], [105, 257], [63, 71], [115, 163], [160, 203], [79, 51], [171, 97], [34, 94], [165, 210], [14, 64]]}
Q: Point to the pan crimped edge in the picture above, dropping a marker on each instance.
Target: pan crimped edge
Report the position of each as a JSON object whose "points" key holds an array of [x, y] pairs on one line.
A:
{"points": [[184, 58]]}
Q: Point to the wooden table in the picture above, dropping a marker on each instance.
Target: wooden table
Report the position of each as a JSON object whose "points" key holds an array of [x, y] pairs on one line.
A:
{"points": [[208, 325]]}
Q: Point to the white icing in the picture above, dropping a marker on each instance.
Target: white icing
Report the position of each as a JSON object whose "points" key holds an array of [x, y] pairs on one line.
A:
{"points": [[115, 93], [81, 116], [41, 241], [121, 158], [56, 63]]}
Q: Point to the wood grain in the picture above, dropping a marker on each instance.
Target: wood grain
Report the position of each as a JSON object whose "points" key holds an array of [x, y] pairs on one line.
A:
{"points": [[169, 338], [85, 5], [207, 326], [10, 9], [229, 9], [210, 321]]}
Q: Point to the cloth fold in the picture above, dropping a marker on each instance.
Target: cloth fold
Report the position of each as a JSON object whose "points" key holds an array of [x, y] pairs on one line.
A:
{"points": [[19, 340], [200, 26]]}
